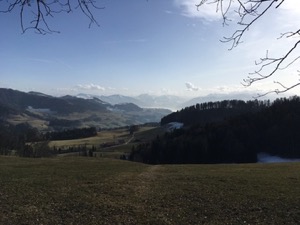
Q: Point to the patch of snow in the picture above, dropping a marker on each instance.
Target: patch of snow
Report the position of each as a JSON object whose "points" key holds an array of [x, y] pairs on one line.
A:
{"points": [[31, 109], [267, 158], [174, 126], [84, 96], [114, 109]]}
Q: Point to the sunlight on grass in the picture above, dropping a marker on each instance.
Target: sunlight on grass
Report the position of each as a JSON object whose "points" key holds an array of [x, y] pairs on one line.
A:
{"points": [[104, 191]]}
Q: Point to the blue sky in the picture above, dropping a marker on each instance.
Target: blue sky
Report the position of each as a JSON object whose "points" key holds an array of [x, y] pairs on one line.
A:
{"points": [[155, 47]]}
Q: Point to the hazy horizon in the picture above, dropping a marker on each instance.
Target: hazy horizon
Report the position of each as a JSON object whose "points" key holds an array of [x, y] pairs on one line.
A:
{"points": [[171, 102]]}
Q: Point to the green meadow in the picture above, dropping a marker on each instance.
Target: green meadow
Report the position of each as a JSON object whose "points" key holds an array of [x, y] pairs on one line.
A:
{"points": [[84, 190], [144, 134]]}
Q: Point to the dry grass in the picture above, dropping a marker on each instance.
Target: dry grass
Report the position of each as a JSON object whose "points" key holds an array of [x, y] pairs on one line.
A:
{"points": [[102, 137], [107, 136], [104, 191], [34, 122]]}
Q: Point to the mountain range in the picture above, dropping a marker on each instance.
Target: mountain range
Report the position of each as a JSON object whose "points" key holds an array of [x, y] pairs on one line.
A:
{"points": [[172, 102], [144, 100], [47, 112]]}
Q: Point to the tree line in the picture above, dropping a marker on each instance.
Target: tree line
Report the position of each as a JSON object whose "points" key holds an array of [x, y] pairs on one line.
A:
{"points": [[236, 138], [214, 111], [69, 134], [26, 141]]}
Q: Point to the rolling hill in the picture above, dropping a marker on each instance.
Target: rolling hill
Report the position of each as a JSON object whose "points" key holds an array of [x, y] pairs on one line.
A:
{"points": [[42, 111]]}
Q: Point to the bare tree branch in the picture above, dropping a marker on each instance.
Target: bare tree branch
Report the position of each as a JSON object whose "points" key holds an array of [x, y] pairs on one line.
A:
{"points": [[267, 61], [41, 10], [279, 91], [249, 12]]}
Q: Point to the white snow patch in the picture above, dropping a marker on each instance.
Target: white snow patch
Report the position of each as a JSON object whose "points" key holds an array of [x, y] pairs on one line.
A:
{"points": [[31, 109], [174, 125], [267, 158]]}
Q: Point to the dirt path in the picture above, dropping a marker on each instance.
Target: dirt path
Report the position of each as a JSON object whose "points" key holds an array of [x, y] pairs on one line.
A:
{"points": [[147, 179], [146, 192]]}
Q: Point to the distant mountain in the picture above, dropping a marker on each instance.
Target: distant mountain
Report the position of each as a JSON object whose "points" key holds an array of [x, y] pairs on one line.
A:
{"points": [[144, 100], [119, 99], [38, 93], [244, 96], [129, 107], [54, 113], [173, 102], [112, 99], [163, 101], [21, 101]]}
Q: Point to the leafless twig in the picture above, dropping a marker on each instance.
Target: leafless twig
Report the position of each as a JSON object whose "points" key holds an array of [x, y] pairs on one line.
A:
{"points": [[41, 10], [249, 12]]}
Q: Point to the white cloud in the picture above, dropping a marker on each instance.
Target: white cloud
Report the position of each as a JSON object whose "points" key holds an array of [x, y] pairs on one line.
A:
{"points": [[92, 87], [262, 36], [293, 6], [210, 12], [191, 87], [288, 15], [189, 9]]}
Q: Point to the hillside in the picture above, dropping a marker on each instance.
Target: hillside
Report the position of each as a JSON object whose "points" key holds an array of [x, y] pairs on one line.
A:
{"points": [[207, 112], [102, 191], [46, 112], [227, 132], [64, 105]]}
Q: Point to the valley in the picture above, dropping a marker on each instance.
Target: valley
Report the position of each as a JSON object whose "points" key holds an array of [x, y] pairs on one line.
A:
{"points": [[48, 113], [112, 143], [82, 164]]}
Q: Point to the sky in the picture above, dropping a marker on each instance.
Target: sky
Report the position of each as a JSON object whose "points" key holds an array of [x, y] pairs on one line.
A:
{"points": [[152, 47]]}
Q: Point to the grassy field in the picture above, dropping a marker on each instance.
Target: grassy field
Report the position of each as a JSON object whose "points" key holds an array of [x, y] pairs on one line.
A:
{"points": [[108, 136], [84, 190], [102, 137]]}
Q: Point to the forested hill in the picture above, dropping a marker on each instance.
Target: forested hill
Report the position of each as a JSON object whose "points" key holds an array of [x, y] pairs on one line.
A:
{"points": [[214, 111], [18, 101], [273, 129]]}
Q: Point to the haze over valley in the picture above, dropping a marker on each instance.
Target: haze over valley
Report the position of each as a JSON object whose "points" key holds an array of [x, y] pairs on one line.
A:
{"points": [[46, 112]]}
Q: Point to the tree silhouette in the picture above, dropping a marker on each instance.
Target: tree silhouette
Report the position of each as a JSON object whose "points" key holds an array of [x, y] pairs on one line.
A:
{"points": [[249, 12], [39, 11]]}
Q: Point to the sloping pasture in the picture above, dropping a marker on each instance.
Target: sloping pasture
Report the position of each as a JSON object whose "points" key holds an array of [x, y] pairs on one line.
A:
{"points": [[84, 190]]}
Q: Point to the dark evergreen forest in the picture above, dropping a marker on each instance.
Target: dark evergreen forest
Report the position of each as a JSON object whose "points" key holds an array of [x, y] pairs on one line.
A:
{"points": [[23, 139], [71, 134], [227, 132]]}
